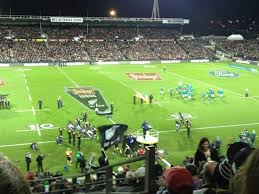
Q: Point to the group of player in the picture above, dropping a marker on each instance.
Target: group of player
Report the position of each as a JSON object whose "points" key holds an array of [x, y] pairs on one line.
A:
{"points": [[183, 121], [185, 91], [212, 94], [75, 130], [4, 102]]}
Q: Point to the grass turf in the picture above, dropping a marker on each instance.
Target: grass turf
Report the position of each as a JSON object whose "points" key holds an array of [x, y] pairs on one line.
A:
{"points": [[225, 117]]}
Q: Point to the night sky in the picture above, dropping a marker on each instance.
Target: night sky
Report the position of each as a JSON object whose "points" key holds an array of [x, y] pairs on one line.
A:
{"points": [[199, 11]]}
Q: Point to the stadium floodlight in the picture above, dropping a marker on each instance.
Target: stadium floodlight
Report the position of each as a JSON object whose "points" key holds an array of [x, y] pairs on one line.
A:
{"points": [[155, 11], [113, 13]]}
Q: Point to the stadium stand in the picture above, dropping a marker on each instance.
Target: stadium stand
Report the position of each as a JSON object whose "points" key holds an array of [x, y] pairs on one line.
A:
{"points": [[74, 43]]}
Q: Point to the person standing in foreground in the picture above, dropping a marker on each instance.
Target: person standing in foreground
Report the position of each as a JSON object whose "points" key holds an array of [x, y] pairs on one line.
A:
{"points": [[60, 102], [28, 161], [39, 160]]}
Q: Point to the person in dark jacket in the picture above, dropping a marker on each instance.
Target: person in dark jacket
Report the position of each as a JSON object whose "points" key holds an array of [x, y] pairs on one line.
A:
{"points": [[205, 152]]}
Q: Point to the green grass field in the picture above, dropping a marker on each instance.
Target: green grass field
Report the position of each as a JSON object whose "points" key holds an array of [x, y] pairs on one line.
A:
{"points": [[225, 117]]}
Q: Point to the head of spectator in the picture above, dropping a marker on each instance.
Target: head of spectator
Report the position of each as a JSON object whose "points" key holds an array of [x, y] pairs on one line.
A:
{"points": [[12, 180], [226, 169], [178, 181], [140, 174], [208, 174], [204, 144], [205, 152], [195, 175], [245, 181]]}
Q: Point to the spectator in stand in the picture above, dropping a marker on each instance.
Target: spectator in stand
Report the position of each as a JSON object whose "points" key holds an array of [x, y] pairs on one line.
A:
{"points": [[205, 152], [246, 179], [177, 180], [209, 179], [197, 181], [12, 180], [236, 156]]}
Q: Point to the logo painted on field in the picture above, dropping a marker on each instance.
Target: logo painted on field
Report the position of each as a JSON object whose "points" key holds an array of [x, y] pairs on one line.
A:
{"points": [[144, 76], [89, 96], [224, 74], [2, 83], [41, 126]]}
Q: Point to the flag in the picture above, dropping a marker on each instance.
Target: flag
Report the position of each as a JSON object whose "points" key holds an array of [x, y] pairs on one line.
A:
{"points": [[177, 125], [111, 134]]}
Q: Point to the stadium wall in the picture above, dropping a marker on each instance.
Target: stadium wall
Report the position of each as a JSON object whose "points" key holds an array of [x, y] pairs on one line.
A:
{"points": [[118, 63]]}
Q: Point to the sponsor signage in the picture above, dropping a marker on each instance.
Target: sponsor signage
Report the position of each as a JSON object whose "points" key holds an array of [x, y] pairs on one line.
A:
{"points": [[226, 74], [90, 97], [144, 76], [66, 20]]}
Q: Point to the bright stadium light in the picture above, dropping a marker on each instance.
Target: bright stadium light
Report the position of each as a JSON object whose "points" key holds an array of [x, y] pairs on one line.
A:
{"points": [[113, 13]]}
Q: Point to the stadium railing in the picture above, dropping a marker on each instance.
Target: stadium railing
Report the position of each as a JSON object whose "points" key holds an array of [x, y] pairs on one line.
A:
{"points": [[108, 182]]}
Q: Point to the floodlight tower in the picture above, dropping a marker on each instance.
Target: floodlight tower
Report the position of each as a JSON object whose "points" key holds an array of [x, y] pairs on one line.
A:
{"points": [[155, 12]]}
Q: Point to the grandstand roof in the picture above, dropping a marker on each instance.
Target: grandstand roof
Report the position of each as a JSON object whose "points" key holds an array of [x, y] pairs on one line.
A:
{"points": [[29, 19]]}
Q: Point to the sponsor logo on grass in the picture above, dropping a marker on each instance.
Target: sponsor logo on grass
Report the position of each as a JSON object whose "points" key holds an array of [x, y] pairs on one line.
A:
{"points": [[226, 74], [144, 76], [2, 83], [89, 96]]}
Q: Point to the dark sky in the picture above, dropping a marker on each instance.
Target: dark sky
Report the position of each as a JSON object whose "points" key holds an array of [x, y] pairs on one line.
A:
{"points": [[199, 11]]}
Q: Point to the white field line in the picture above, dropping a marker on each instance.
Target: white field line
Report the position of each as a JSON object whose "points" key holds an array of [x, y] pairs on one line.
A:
{"points": [[111, 120], [123, 84], [30, 98], [30, 110], [33, 110], [27, 130], [207, 84], [215, 127], [168, 131], [38, 129], [68, 77], [24, 144]]}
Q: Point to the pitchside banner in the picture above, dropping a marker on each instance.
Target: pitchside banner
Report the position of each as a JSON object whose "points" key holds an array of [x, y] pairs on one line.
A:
{"points": [[66, 20], [89, 97], [111, 134]]}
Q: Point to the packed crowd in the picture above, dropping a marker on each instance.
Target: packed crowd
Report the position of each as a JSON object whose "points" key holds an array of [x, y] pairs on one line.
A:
{"points": [[70, 43], [104, 50], [246, 49], [41, 43], [168, 50]]}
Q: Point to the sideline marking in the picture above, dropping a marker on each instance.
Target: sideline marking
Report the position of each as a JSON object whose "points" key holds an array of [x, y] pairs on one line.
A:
{"points": [[213, 127]]}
